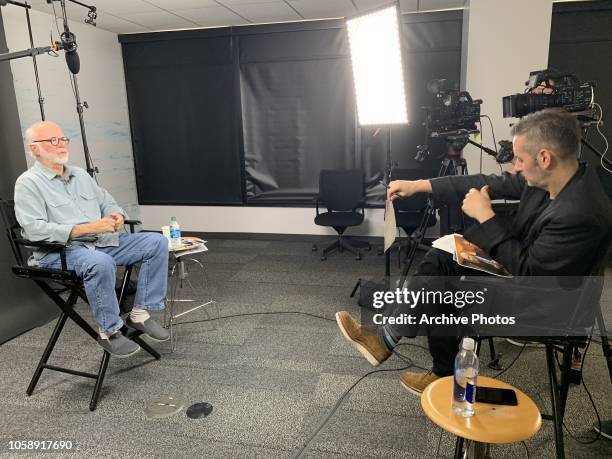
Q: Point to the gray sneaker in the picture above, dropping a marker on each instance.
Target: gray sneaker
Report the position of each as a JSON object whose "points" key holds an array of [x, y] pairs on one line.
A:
{"points": [[119, 346], [150, 328]]}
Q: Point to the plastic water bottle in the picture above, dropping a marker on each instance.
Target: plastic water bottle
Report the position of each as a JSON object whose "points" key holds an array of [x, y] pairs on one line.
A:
{"points": [[466, 373], [175, 233]]}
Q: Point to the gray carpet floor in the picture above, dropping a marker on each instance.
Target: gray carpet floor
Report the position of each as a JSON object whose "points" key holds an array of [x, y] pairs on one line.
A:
{"points": [[271, 378]]}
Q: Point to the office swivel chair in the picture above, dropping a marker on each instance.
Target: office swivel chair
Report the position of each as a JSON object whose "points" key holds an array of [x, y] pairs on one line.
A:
{"points": [[342, 192], [64, 287], [409, 212]]}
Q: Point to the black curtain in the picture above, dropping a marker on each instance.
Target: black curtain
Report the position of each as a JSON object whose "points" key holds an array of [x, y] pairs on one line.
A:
{"points": [[250, 115], [581, 43], [297, 115], [183, 104]]}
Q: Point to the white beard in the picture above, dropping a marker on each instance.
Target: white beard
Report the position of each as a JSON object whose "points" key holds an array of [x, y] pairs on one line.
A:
{"points": [[44, 154]]}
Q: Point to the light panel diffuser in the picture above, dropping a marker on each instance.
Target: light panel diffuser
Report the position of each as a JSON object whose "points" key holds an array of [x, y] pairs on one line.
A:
{"points": [[376, 58]]}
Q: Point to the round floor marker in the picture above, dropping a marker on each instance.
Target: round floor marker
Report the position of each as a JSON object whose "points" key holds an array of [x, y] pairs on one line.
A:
{"points": [[163, 407], [199, 410]]}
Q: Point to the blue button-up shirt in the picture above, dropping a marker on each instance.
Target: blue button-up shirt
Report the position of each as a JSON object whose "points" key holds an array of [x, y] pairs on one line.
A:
{"points": [[48, 206]]}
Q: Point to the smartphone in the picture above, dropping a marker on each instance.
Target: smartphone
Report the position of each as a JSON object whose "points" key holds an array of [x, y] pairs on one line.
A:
{"points": [[496, 396]]}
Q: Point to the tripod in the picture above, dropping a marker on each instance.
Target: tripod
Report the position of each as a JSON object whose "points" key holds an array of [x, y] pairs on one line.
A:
{"points": [[453, 164]]}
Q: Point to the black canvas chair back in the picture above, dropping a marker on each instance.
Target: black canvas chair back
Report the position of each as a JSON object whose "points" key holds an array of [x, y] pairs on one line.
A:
{"points": [[341, 190], [559, 372], [342, 193], [64, 288], [12, 228]]}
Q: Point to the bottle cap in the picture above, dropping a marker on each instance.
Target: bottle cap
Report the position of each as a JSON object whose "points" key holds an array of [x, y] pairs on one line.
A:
{"points": [[172, 219], [468, 344]]}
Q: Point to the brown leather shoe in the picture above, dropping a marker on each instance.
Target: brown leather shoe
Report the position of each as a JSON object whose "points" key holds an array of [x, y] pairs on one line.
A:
{"points": [[417, 382], [369, 346]]}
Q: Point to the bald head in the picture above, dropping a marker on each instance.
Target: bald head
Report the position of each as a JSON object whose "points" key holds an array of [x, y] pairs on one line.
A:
{"points": [[43, 130], [44, 140]]}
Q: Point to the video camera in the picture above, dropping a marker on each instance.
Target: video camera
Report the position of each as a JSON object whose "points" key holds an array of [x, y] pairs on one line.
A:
{"points": [[550, 88], [453, 110]]}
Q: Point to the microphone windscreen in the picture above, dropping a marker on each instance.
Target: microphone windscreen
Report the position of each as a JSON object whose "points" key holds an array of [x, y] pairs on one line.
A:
{"points": [[73, 61]]}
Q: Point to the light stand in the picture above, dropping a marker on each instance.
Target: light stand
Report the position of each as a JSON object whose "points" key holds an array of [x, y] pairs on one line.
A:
{"points": [[378, 74], [30, 52]]}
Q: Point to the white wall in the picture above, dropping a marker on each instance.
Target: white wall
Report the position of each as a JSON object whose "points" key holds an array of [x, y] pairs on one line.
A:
{"points": [[101, 84], [502, 42], [280, 220]]}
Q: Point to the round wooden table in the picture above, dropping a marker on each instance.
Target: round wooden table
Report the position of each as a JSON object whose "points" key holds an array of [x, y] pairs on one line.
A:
{"points": [[490, 423]]}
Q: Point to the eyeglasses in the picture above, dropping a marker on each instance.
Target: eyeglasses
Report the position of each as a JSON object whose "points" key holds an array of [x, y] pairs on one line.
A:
{"points": [[55, 141]]}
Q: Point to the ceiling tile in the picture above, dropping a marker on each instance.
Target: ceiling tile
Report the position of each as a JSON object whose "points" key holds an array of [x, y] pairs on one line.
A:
{"points": [[266, 12], [409, 6], [245, 2], [428, 5], [172, 5], [116, 24], [120, 7], [159, 20], [322, 9], [215, 16], [365, 5]]}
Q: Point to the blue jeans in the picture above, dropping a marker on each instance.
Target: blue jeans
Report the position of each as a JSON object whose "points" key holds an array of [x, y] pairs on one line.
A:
{"points": [[98, 268]]}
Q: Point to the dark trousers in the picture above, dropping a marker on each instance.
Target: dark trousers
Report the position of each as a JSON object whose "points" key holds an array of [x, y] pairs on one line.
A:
{"points": [[437, 264]]}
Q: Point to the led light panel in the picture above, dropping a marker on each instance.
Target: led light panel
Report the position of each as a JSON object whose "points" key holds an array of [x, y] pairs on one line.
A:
{"points": [[376, 58]]}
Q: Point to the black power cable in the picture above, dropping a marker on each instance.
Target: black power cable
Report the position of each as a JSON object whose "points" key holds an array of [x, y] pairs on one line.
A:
{"points": [[339, 402], [586, 442], [256, 314], [511, 363]]}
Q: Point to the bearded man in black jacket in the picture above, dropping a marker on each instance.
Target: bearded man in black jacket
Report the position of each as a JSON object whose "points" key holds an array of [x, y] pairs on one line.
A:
{"points": [[563, 220]]}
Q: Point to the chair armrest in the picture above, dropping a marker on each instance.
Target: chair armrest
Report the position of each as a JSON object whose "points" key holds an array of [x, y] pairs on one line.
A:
{"points": [[52, 246], [317, 199], [360, 204], [131, 224]]}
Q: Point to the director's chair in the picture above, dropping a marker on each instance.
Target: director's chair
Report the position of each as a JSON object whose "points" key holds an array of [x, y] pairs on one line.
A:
{"points": [[559, 348], [64, 287]]}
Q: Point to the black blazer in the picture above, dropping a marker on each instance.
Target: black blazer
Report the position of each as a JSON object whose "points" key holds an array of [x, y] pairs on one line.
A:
{"points": [[560, 237]]}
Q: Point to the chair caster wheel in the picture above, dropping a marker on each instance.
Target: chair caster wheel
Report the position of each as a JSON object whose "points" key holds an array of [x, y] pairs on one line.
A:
{"points": [[323, 258]]}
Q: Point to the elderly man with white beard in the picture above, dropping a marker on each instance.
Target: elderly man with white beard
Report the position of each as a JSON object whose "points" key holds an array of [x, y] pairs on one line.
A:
{"points": [[56, 202]]}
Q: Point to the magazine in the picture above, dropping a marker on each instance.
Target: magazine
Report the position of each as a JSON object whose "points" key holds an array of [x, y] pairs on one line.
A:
{"points": [[470, 255], [189, 245]]}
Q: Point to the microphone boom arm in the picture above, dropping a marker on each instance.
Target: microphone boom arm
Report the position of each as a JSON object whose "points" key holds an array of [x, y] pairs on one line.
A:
{"points": [[27, 53]]}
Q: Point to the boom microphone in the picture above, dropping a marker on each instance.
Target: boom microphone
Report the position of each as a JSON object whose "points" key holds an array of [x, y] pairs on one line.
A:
{"points": [[70, 46]]}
